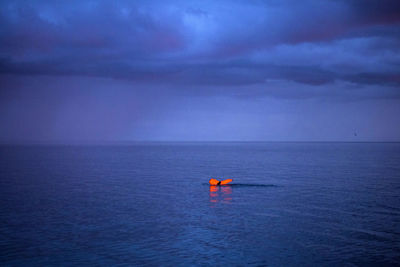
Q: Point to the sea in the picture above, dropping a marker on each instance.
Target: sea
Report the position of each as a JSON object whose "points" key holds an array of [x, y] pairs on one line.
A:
{"points": [[150, 204]]}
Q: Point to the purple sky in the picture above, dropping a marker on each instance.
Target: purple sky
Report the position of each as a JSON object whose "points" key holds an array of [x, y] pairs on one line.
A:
{"points": [[311, 70]]}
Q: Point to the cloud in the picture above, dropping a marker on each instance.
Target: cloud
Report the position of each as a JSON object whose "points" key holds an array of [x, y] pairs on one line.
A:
{"points": [[183, 43]]}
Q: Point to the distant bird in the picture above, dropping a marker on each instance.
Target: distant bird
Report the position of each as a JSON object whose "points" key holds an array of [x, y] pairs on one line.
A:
{"points": [[355, 134]]}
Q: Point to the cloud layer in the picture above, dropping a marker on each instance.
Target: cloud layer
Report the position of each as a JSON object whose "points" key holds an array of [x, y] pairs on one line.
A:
{"points": [[198, 69], [224, 43]]}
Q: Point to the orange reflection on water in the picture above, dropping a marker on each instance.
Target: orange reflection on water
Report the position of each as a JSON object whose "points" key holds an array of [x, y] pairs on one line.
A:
{"points": [[213, 188], [220, 194], [227, 190], [213, 193]]}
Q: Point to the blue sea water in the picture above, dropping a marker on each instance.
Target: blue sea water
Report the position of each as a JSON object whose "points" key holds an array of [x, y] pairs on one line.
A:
{"points": [[149, 204]]}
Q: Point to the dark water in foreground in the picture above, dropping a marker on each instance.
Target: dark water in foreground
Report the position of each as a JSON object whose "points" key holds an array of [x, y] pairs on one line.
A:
{"points": [[149, 204]]}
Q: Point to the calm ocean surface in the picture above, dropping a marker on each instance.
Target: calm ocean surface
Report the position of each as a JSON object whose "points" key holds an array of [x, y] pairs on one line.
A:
{"points": [[310, 204]]}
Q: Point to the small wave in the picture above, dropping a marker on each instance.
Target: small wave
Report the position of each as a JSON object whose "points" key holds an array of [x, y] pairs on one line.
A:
{"points": [[254, 185]]}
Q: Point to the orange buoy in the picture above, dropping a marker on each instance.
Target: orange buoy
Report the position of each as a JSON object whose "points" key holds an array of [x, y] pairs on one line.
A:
{"points": [[227, 181], [216, 182], [213, 181]]}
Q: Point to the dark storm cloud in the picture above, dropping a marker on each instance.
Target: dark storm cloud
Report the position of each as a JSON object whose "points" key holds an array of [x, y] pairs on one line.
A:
{"points": [[376, 12], [376, 78], [209, 43], [199, 70]]}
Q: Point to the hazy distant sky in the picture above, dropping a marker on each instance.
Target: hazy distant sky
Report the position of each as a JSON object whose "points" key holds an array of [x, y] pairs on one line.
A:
{"points": [[310, 70]]}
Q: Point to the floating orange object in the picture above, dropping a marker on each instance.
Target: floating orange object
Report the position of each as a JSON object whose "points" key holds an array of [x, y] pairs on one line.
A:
{"points": [[213, 181], [216, 182]]}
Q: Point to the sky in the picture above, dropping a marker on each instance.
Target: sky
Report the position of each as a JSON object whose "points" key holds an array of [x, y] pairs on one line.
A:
{"points": [[171, 70]]}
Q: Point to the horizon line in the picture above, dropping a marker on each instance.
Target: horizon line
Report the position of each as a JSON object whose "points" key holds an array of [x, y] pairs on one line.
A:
{"points": [[131, 142]]}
